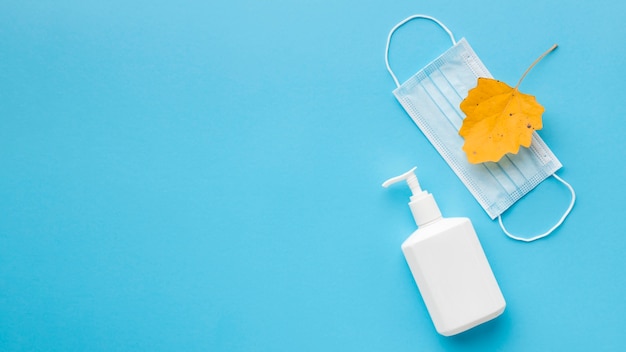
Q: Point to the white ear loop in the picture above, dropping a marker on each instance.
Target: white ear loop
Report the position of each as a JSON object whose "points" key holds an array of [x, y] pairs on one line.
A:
{"points": [[395, 79], [569, 209]]}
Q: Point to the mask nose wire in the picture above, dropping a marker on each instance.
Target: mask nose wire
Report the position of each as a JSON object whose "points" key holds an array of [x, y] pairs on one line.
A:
{"points": [[400, 24], [569, 209]]}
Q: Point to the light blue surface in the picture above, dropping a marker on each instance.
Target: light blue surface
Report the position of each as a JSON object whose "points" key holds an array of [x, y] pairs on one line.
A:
{"points": [[205, 176]]}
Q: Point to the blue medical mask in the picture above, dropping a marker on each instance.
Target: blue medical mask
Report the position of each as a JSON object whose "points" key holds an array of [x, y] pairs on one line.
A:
{"points": [[432, 98]]}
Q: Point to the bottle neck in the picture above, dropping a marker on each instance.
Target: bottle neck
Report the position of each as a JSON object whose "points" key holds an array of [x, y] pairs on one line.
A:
{"points": [[424, 209]]}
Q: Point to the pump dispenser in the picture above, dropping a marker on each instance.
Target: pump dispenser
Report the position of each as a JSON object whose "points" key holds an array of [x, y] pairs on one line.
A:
{"points": [[449, 265], [422, 204]]}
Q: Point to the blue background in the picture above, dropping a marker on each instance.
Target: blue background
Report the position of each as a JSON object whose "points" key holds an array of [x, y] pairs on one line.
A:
{"points": [[206, 176]]}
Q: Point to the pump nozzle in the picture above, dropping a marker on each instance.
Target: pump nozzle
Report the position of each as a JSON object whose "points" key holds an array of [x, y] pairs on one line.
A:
{"points": [[410, 178], [422, 204]]}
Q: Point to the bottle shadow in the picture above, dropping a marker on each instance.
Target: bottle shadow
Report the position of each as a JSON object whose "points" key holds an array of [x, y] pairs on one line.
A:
{"points": [[489, 334]]}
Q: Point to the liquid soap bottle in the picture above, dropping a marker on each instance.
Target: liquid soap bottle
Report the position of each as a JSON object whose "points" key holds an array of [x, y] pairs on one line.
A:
{"points": [[449, 265]]}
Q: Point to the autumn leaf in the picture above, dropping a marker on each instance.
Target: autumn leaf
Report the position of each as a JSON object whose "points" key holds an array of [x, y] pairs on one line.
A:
{"points": [[499, 118]]}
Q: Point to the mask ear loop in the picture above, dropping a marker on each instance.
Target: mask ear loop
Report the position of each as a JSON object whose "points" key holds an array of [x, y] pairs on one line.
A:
{"points": [[569, 209], [400, 24]]}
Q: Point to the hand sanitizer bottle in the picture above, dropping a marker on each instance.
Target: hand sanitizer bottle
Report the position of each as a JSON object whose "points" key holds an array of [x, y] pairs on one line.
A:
{"points": [[449, 265]]}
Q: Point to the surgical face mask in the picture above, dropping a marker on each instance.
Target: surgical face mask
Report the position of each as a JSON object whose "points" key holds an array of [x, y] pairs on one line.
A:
{"points": [[432, 98]]}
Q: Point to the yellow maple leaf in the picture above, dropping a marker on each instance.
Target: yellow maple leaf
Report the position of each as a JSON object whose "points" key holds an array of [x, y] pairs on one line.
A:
{"points": [[499, 119]]}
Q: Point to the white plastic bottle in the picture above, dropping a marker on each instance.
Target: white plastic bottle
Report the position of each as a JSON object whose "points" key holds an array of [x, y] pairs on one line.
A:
{"points": [[449, 265]]}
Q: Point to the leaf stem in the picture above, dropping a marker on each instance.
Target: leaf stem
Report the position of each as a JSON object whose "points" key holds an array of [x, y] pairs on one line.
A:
{"points": [[534, 63]]}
